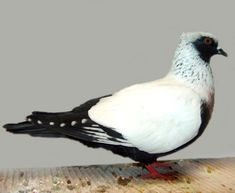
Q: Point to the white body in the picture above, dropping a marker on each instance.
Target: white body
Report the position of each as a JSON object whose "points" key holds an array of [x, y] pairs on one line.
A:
{"points": [[154, 117]]}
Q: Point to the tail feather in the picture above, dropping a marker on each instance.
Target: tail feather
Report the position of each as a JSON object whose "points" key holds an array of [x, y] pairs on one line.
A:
{"points": [[38, 124], [46, 118], [32, 129], [59, 124]]}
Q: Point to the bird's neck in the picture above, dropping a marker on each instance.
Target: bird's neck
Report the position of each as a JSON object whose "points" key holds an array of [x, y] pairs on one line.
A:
{"points": [[190, 69]]}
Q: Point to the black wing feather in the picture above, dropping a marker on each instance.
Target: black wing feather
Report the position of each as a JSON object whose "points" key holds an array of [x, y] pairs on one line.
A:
{"points": [[75, 124], [31, 129]]}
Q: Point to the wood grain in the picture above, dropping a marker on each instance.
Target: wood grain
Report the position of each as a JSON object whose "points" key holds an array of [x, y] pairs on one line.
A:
{"points": [[191, 176]]}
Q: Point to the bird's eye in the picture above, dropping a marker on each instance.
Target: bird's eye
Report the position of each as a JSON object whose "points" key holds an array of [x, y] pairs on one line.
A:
{"points": [[207, 41]]}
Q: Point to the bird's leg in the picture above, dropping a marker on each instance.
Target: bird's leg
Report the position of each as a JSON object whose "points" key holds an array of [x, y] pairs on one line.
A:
{"points": [[161, 164], [153, 173]]}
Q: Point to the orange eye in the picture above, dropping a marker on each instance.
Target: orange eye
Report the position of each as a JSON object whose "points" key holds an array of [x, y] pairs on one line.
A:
{"points": [[207, 40]]}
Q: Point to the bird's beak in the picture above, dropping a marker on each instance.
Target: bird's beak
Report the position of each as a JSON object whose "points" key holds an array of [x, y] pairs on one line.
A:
{"points": [[220, 51]]}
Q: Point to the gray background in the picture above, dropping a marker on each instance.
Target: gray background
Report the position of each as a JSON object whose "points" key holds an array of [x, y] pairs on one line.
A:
{"points": [[55, 55]]}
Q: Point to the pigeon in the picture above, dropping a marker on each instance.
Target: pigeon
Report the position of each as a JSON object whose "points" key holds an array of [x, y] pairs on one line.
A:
{"points": [[143, 121]]}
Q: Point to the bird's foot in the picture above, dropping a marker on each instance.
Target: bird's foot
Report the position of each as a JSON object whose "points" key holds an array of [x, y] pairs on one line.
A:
{"points": [[153, 173], [168, 176], [161, 164]]}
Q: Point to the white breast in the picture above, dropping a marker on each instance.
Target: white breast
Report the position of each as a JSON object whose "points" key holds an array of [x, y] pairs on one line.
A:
{"points": [[154, 117]]}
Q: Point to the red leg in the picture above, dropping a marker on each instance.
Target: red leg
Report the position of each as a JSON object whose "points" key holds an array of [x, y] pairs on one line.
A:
{"points": [[154, 173], [161, 164]]}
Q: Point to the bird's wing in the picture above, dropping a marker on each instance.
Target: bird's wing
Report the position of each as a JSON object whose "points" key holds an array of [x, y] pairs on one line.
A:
{"points": [[154, 117], [74, 124]]}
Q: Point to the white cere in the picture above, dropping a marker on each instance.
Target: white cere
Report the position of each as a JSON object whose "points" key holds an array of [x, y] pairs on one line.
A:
{"points": [[51, 123], [84, 121], [73, 123], [39, 122], [62, 124]]}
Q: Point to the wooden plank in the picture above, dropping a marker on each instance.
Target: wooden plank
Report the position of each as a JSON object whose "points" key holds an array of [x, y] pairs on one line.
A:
{"points": [[191, 176]]}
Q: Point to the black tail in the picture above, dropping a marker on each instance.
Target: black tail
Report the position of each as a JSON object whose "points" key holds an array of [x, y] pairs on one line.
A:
{"points": [[61, 124], [31, 129]]}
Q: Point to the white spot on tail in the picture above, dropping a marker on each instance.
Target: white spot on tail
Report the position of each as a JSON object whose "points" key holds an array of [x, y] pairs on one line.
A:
{"points": [[73, 123], [84, 121], [51, 123], [39, 122], [62, 124]]}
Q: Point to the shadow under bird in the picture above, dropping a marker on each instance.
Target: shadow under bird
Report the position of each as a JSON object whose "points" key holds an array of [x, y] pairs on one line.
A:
{"points": [[144, 121]]}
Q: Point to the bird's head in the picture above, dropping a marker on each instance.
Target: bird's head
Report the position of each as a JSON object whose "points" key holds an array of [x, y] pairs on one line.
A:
{"points": [[204, 43], [192, 58]]}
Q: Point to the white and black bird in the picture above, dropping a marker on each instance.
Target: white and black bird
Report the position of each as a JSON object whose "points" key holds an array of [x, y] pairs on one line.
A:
{"points": [[144, 121]]}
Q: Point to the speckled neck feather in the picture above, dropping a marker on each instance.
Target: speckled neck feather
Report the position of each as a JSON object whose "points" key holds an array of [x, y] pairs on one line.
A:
{"points": [[188, 67]]}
